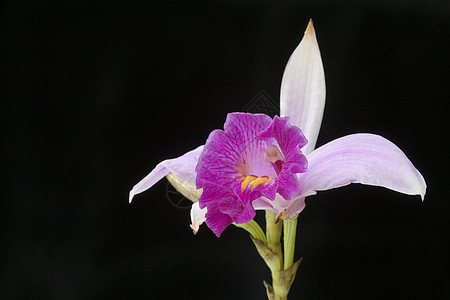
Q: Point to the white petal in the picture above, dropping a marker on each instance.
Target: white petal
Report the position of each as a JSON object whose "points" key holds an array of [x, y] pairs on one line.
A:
{"points": [[197, 217], [182, 167], [284, 209], [361, 158], [302, 95]]}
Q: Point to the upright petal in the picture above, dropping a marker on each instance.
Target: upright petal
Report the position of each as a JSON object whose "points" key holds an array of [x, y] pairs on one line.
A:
{"points": [[183, 167], [361, 158], [302, 95]]}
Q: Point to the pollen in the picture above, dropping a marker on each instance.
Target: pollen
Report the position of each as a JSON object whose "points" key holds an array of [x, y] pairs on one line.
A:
{"points": [[248, 180], [254, 181], [261, 180]]}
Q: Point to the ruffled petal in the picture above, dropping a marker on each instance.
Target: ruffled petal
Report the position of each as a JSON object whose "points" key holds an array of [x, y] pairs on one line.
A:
{"points": [[302, 95], [253, 157], [361, 158], [290, 139], [234, 152], [197, 216], [183, 167], [229, 156], [224, 206]]}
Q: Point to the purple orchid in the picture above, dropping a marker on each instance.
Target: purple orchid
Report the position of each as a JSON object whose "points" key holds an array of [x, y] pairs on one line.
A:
{"points": [[253, 157], [260, 163]]}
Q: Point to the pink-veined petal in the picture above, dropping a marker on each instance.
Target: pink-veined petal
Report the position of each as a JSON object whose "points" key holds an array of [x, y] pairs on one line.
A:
{"points": [[197, 216], [361, 158], [254, 156], [229, 156], [235, 151], [183, 167], [302, 95], [290, 139], [225, 205]]}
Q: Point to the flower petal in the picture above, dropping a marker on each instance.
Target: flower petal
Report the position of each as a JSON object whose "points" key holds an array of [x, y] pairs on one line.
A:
{"points": [[285, 209], [229, 156], [197, 217], [361, 158], [224, 206], [234, 152], [302, 95], [183, 167], [290, 139]]}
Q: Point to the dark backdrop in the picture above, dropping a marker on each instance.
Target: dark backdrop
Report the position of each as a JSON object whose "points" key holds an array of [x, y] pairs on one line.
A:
{"points": [[95, 94]]}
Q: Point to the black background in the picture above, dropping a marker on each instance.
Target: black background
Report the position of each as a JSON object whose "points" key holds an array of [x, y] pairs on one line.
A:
{"points": [[95, 94]]}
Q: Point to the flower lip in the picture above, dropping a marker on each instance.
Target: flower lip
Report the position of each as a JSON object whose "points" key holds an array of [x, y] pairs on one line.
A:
{"points": [[254, 156]]}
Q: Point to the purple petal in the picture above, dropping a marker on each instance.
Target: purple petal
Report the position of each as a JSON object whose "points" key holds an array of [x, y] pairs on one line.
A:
{"points": [[233, 169], [230, 156], [290, 139], [224, 207], [361, 158], [234, 153], [303, 88], [183, 167]]}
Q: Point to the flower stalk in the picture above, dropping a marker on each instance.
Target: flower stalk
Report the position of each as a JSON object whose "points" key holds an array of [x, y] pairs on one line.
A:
{"points": [[290, 229], [273, 229], [282, 271]]}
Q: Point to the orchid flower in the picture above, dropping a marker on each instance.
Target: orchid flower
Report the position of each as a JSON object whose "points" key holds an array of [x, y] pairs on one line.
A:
{"points": [[260, 163]]}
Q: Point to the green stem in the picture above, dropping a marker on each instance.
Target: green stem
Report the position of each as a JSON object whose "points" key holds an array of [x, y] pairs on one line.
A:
{"points": [[273, 228], [254, 229], [273, 231], [290, 229], [279, 290]]}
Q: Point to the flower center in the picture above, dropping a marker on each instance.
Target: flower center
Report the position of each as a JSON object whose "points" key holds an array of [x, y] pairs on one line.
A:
{"points": [[254, 181], [275, 156]]}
